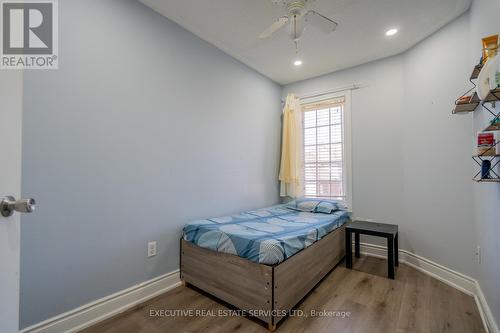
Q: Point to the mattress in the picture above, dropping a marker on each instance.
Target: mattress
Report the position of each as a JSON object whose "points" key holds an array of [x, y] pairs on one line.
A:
{"points": [[267, 236]]}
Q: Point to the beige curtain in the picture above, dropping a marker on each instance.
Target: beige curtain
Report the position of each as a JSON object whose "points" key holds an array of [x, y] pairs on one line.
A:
{"points": [[291, 169]]}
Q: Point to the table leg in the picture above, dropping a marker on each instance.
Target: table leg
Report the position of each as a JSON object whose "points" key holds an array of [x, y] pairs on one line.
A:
{"points": [[356, 244], [348, 249], [396, 249], [390, 256]]}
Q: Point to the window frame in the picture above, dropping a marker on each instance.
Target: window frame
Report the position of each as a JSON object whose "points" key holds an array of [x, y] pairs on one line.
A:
{"points": [[347, 140]]}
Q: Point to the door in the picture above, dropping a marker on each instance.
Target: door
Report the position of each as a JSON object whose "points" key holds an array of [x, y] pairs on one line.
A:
{"points": [[10, 185]]}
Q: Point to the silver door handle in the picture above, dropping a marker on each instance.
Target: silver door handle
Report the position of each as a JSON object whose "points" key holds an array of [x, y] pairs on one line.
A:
{"points": [[9, 204]]}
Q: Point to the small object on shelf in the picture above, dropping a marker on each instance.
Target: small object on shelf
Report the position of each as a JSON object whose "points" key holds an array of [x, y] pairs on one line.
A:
{"points": [[466, 104], [490, 46], [485, 169], [486, 144], [485, 139], [464, 100]]}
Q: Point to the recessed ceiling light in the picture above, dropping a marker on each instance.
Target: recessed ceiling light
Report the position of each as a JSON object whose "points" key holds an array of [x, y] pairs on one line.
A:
{"points": [[297, 62], [391, 32]]}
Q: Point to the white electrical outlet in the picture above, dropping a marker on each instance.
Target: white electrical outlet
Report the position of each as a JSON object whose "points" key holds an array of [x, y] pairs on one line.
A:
{"points": [[152, 250], [478, 254]]}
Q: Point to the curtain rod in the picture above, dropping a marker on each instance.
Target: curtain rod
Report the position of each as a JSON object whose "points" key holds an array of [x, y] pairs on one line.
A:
{"points": [[326, 92], [331, 91]]}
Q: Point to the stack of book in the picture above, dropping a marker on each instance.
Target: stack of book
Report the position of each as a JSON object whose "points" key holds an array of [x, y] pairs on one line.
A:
{"points": [[487, 144], [464, 100]]}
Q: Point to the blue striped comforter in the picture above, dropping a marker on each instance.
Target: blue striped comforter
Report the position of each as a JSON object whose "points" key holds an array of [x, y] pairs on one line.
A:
{"points": [[267, 236]]}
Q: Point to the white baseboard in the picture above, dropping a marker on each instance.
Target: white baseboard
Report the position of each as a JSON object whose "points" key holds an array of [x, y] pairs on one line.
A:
{"points": [[452, 278], [484, 309], [439, 272], [94, 312]]}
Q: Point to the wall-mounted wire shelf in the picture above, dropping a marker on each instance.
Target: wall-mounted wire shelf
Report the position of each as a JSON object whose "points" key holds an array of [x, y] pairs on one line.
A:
{"points": [[489, 105], [474, 101], [467, 107], [486, 180], [494, 159]]}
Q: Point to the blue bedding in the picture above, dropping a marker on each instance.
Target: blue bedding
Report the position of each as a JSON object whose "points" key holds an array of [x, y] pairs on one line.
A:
{"points": [[267, 236]]}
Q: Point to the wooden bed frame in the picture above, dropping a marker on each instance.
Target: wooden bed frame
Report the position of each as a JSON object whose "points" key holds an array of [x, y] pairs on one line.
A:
{"points": [[266, 292]]}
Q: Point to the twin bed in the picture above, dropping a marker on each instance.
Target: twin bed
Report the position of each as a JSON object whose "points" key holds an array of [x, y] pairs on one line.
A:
{"points": [[265, 261]]}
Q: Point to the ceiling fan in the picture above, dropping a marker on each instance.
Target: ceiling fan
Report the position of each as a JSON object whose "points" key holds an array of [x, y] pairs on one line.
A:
{"points": [[297, 19]]}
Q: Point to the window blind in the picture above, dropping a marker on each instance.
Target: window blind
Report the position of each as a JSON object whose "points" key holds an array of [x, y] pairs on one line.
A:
{"points": [[324, 149]]}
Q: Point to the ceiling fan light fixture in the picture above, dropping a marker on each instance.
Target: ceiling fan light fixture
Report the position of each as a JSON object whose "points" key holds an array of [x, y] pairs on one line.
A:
{"points": [[391, 32], [296, 19], [297, 63]]}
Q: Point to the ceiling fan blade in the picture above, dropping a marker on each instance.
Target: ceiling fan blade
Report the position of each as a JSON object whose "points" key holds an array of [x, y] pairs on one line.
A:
{"points": [[280, 23], [321, 22]]}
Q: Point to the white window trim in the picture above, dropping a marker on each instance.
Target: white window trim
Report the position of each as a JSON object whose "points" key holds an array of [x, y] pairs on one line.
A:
{"points": [[347, 160]]}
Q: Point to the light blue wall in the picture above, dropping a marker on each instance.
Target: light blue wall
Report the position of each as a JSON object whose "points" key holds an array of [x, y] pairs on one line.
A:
{"points": [[143, 128], [438, 198]]}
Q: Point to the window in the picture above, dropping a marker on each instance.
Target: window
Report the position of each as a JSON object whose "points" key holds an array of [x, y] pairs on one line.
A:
{"points": [[326, 164]]}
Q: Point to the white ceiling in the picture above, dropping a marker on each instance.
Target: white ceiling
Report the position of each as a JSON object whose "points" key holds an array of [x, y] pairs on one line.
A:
{"points": [[234, 25]]}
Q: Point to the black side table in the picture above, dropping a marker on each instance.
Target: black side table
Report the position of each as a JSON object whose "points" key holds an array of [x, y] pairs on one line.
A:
{"points": [[389, 231]]}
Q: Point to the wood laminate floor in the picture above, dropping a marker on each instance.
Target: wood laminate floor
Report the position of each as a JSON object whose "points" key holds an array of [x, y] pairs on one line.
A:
{"points": [[413, 302]]}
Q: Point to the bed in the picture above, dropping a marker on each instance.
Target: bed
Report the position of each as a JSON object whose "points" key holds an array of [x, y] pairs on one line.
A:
{"points": [[264, 261]]}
